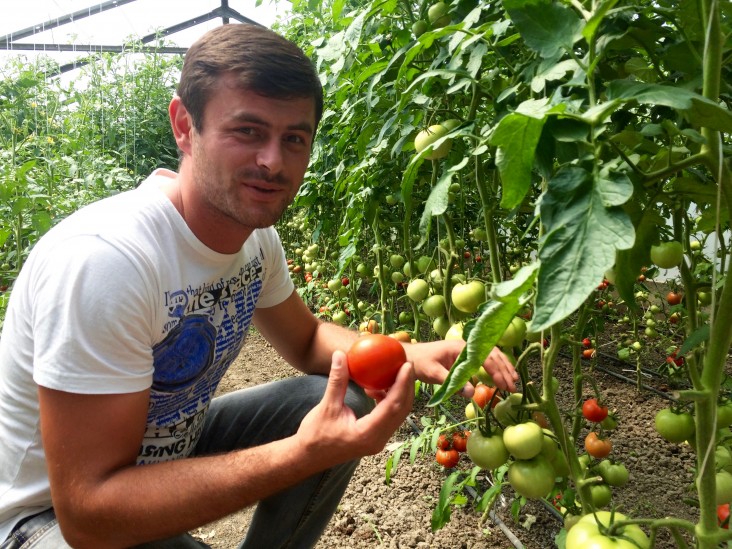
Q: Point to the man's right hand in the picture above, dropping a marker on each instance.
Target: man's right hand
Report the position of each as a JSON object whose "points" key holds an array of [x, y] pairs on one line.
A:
{"points": [[333, 427]]}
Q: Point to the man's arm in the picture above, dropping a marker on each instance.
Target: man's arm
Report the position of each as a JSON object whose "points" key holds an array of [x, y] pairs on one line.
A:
{"points": [[102, 499], [301, 338], [308, 343]]}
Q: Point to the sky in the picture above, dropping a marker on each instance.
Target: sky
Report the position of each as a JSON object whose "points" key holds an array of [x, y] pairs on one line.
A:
{"points": [[111, 27]]}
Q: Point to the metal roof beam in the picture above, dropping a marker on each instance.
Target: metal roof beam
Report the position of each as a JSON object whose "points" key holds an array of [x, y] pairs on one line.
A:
{"points": [[98, 48], [63, 20]]}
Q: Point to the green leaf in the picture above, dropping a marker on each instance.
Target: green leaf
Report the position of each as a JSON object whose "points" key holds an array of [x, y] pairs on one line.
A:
{"points": [[696, 338], [483, 332], [699, 110], [441, 513], [596, 18], [549, 28], [584, 225], [436, 203], [516, 137]]}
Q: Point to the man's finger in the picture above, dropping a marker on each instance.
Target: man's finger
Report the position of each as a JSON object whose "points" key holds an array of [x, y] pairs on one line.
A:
{"points": [[338, 378]]}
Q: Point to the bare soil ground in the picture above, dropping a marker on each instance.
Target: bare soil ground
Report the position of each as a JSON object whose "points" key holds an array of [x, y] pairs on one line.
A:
{"points": [[397, 515]]}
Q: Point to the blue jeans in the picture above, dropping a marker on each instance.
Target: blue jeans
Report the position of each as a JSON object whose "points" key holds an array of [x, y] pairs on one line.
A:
{"points": [[295, 517]]}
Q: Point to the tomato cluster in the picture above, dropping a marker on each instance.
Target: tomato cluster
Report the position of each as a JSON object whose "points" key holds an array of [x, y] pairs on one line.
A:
{"points": [[449, 447]]}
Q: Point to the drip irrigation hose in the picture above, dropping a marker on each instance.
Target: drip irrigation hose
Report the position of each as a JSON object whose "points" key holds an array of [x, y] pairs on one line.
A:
{"points": [[617, 363]]}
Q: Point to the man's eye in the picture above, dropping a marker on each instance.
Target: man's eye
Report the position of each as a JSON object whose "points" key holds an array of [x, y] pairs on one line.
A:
{"points": [[295, 139]]}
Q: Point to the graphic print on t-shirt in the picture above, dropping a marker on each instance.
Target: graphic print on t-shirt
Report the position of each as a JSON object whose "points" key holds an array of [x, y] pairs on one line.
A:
{"points": [[204, 334]]}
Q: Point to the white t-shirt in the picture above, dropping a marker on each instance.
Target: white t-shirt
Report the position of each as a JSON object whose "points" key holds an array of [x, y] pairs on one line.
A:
{"points": [[118, 298]]}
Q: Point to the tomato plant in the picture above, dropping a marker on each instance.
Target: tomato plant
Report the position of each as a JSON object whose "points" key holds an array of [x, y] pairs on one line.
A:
{"points": [[594, 411], [374, 361]]}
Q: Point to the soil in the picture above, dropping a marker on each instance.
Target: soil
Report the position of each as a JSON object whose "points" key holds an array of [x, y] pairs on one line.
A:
{"points": [[373, 513]]}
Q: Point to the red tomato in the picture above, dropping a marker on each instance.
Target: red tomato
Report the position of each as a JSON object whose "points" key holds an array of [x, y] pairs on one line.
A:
{"points": [[673, 298], [587, 343], [598, 447], [593, 411], [483, 395], [374, 361], [723, 515], [588, 353], [447, 458], [443, 442], [460, 441]]}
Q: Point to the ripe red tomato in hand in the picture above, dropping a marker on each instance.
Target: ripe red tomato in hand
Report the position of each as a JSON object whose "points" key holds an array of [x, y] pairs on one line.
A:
{"points": [[374, 361], [593, 410], [447, 458]]}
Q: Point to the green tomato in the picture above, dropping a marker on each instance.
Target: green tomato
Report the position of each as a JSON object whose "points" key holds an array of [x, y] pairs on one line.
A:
{"points": [[485, 377], [724, 487], [437, 15], [340, 318], [487, 452], [724, 414], [705, 298], [549, 447], [468, 297], [434, 306], [615, 474], [667, 254], [601, 495], [419, 28], [397, 261], [418, 289], [505, 412], [560, 464], [674, 427], [441, 325], [426, 138], [514, 334], [586, 533], [531, 478], [722, 458], [524, 440]]}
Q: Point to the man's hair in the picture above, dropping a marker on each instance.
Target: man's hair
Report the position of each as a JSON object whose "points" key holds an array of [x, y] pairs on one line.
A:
{"points": [[260, 60]]}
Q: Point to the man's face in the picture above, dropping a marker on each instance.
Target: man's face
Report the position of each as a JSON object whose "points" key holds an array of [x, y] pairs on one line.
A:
{"points": [[250, 158]]}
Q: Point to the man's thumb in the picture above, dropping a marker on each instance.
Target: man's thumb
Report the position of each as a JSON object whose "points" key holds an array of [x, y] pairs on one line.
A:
{"points": [[338, 378]]}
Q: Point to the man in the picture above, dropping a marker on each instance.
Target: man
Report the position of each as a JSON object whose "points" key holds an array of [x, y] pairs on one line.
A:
{"points": [[127, 314]]}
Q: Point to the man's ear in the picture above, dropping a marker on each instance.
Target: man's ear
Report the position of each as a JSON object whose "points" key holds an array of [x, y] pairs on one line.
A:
{"points": [[180, 121]]}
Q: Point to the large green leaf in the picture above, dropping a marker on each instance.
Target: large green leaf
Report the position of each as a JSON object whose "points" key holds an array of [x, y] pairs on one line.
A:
{"points": [[483, 332], [700, 111], [584, 226], [516, 137], [549, 28]]}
